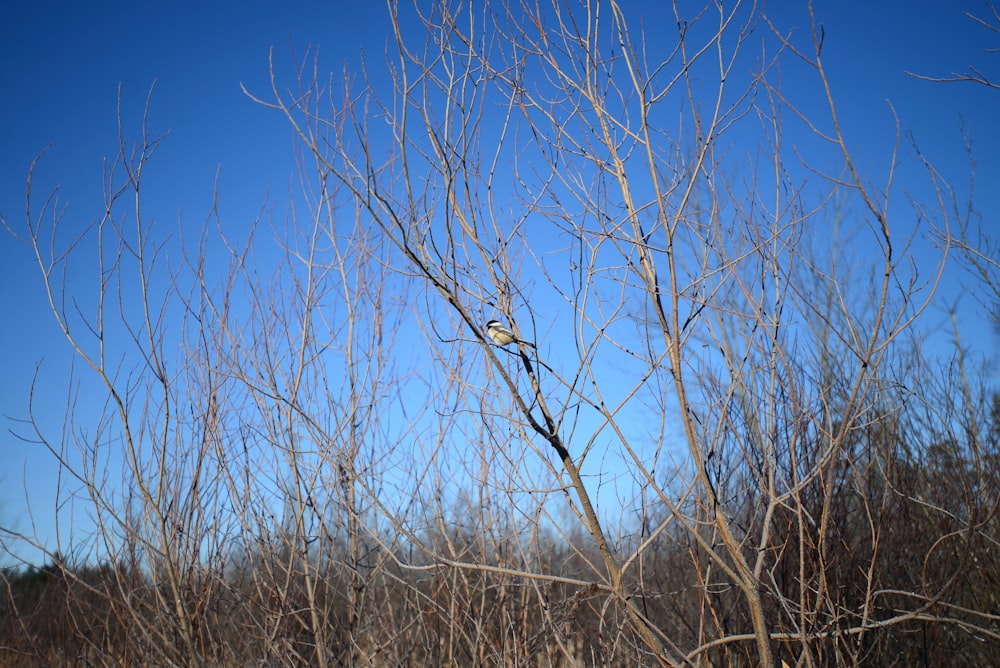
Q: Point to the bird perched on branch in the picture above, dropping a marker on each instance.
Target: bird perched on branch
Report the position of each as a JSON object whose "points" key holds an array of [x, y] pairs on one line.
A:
{"points": [[502, 336]]}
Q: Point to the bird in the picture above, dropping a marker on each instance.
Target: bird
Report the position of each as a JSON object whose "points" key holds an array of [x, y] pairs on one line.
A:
{"points": [[502, 336]]}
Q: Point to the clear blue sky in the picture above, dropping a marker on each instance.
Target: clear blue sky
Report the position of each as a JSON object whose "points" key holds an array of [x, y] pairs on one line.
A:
{"points": [[61, 64]]}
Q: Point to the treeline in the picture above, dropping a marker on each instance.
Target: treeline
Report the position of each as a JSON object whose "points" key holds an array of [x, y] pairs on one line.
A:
{"points": [[910, 569]]}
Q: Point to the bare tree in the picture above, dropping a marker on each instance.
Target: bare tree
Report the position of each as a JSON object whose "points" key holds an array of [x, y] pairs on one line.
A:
{"points": [[708, 443], [766, 359], [990, 21]]}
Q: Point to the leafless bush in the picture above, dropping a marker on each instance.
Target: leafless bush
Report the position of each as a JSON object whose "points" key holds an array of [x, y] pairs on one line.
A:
{"points": [[717, 444]]}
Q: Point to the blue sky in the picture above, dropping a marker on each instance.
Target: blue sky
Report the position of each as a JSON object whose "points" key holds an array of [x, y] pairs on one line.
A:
{"points": [[61, 64]]}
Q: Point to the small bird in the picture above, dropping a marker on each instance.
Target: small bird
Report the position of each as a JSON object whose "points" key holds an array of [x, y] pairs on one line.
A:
{"points": [[502, 336]]}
